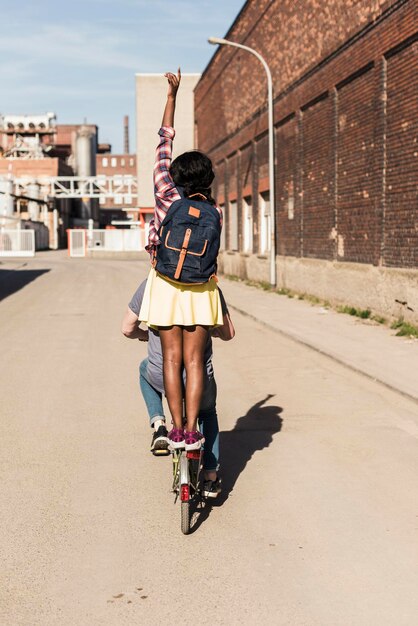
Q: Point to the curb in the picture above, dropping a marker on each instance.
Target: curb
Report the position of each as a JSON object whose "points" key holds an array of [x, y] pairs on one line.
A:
{"points": [[329, 355]]}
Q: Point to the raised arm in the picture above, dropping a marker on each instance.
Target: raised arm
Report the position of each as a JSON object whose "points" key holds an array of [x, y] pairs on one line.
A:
{"points": [[165, 191], [170, 106]]}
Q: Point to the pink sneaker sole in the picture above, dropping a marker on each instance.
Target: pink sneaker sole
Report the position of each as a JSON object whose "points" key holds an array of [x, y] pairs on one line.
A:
{"points": [[193, 440], [176, 439]]}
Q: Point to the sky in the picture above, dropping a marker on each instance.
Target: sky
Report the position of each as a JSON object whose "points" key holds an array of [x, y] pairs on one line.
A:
{"points": [[78, 58]]}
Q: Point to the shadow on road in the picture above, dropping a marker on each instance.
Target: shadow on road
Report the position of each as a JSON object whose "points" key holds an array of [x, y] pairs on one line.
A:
{"points": [[13, 280], [252, 432]]}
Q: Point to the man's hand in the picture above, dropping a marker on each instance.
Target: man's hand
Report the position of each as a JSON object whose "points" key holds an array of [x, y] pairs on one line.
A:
{"points": [[130, 327], [226, 332], [173, 83], [142, 334]]}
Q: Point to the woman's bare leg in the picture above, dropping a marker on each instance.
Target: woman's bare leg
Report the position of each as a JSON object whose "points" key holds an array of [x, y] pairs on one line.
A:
{"points": [[172, 348], [194, 342]]}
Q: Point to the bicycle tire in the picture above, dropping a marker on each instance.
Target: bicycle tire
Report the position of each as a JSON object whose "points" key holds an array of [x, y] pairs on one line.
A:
{"points": [[185, 518]]}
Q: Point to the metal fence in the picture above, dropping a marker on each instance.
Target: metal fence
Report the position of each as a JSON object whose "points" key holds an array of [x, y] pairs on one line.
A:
{"points": [[17, 242], [82, 242]]}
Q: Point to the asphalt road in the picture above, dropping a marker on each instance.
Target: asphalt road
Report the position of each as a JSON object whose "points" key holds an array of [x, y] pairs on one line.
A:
{"points": [[317, 525]]}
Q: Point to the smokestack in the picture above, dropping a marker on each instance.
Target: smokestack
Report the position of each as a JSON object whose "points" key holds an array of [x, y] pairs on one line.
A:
{"points": [[126, 134]]}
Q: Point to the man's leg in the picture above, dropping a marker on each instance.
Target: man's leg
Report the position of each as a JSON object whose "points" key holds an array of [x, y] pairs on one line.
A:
{"points": [[154, 402], [208, 422]]}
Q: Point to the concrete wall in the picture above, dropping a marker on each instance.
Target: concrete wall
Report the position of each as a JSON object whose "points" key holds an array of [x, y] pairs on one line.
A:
{"points": [[151, 92], [390, 292]]}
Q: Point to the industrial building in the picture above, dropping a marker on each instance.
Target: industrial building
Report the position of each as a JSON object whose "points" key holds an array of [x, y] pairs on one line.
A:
{"points": [[49, 179], [346, 167]]}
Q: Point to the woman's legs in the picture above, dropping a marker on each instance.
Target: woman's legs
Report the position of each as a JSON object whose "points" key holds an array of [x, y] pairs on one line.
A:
{"points": [[184, 345], [194, 342], [172, 347]]}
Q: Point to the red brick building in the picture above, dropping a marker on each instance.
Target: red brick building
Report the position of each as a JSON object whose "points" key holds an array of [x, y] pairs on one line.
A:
{"points": [[345, 76], [123, 206]]}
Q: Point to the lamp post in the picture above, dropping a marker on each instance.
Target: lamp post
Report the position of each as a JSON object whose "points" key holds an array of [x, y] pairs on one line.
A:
{"points": [[224, 42]]}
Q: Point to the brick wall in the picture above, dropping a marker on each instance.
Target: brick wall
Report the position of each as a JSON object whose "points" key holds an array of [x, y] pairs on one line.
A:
{"points": [[346, 109]]}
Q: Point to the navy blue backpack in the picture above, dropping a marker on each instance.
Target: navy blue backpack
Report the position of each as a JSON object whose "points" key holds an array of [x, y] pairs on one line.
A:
{"points": [[189, 241]]}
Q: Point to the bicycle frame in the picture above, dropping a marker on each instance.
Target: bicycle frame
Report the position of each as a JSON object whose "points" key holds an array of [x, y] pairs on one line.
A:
{"points": [[186, 478], [186, 473]]}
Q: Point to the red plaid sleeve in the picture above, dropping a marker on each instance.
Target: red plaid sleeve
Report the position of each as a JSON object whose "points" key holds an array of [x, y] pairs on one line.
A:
{"points": [[165, 191]]}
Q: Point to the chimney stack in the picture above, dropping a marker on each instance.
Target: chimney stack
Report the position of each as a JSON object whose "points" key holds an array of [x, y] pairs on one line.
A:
{"points": [[126, 133]]}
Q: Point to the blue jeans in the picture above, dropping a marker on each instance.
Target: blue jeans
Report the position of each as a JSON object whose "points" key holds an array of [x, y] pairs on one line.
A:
{"points": [[208, 419]]}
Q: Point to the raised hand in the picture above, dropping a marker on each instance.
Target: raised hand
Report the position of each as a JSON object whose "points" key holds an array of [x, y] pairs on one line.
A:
{"points": [[173, 83]]}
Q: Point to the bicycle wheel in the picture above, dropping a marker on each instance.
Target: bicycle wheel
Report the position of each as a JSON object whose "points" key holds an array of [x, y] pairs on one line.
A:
{"points": [[185, 518]]}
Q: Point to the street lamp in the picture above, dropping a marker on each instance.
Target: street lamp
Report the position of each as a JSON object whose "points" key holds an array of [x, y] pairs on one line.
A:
{"points": [[216, 41]]}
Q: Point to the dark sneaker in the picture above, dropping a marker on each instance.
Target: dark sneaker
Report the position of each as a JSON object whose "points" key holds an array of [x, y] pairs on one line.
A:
{"points": [[176, 439], [212, 488], [160, 441], [193, 440]]}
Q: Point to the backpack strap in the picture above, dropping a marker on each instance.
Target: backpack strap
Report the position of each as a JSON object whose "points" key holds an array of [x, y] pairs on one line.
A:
{"points": [[198, 194], [183, 253]]}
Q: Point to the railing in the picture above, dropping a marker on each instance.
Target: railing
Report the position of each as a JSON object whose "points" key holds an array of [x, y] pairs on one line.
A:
{"points": [[17, 242], [81, 241], [123, 187]]}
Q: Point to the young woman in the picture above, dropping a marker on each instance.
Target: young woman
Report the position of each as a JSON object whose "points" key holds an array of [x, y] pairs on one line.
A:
{"points": [[182, 313]]}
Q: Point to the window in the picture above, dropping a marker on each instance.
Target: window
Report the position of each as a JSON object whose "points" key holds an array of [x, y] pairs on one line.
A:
{"points": [[131, 162], [247, 210], [264, 212], [102, 200], [233, 225], [223, 231], [105, 162], [113, 161], [118, 199], [122, 162], [128, 199]]}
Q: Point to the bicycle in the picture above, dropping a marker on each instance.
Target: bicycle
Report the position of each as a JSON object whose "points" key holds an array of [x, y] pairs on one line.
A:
{"points": [[186, 482]]}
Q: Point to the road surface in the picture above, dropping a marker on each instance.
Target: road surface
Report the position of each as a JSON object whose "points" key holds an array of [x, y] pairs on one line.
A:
{"points": [[317, 525]]}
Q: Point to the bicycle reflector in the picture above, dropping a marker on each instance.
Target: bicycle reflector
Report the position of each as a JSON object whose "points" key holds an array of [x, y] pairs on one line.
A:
{"points": [[194, 454], [184, 494]]}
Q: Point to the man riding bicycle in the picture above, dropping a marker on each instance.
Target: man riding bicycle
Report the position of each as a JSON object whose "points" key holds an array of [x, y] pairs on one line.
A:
{"points": [[152, 388]]}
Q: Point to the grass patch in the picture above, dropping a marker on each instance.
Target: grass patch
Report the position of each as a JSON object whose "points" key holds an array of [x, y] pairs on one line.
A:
{"points": [[283, 291], [233, 278], [364, 314], [404, 329], [379, 319], [315, 300]]}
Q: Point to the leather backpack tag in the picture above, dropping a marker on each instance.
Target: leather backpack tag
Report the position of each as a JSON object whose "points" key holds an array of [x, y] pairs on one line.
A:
{"points": [[194, 212]]}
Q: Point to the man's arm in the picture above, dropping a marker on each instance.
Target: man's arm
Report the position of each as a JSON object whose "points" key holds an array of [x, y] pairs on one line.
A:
{"points": [[226, 332], [130, 327]]}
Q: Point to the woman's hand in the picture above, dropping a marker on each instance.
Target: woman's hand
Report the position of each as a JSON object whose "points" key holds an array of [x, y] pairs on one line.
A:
{"points": [[173, 83]]}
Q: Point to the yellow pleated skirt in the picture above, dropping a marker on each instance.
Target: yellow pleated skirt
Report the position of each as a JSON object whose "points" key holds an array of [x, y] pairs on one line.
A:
{"points": [[166, 303]]}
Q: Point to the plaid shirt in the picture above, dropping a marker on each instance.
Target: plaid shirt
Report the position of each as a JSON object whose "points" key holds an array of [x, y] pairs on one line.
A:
{"points": [[165, 191]]}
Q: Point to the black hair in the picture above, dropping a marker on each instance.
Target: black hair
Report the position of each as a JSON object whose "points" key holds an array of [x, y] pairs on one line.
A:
{"points": [[193, 172]]}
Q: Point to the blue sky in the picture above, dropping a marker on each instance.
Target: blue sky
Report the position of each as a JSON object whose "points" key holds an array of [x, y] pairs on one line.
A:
{"points": [[78, 58]]}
